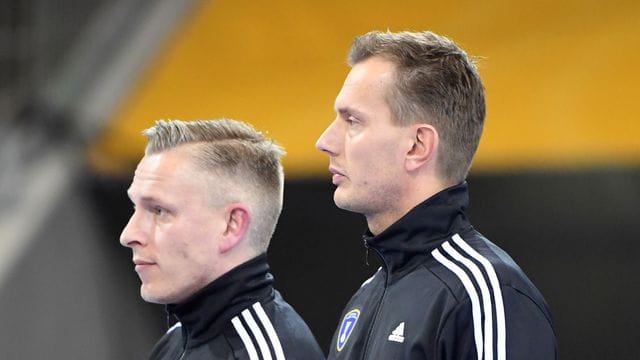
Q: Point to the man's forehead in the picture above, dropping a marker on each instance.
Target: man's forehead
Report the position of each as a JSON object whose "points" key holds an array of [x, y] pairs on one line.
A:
{"points": [[169, 160], [151, 162], [373, 70], [371, 73], [362, 85], [158, 168]]}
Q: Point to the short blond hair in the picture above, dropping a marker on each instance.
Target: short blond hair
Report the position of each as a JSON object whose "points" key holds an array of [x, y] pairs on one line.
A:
{"points": [[245, 165]]}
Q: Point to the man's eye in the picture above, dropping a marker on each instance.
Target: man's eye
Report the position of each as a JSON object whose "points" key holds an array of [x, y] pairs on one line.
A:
{"points": [[159, 211]]}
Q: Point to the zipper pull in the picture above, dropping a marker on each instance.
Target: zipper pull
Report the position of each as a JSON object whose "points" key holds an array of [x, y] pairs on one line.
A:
{"points": [[166, 311], [366, 253]]}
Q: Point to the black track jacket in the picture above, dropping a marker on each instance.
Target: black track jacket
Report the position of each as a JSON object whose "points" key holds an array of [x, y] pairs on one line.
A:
{"points": [[238, 316], [443, 292]]}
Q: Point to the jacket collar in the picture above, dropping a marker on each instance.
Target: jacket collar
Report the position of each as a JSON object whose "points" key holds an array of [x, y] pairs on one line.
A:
{"points": [[205, 314], [425, 227]]}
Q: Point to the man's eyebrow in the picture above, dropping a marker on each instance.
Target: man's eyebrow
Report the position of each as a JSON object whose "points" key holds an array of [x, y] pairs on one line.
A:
{"points": [[148, 199], [347, 110], [145, 199]]}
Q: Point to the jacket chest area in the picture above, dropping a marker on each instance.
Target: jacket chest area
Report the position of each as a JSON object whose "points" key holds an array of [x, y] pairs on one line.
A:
{"points": [[387, 322]]}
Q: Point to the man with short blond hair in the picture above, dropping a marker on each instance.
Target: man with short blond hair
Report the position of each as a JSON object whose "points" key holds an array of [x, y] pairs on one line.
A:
{"points": [[207, 196]]}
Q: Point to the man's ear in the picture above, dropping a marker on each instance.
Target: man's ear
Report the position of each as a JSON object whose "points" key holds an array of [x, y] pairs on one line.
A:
{"points": [[425, 143], [238, 218]]}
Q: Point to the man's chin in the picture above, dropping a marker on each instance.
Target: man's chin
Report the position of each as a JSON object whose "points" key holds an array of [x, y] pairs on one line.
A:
{"points": [[152, 297], [343, 202]]}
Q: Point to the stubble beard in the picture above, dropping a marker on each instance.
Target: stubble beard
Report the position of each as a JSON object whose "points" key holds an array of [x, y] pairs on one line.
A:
{"points": [[376, 203]]}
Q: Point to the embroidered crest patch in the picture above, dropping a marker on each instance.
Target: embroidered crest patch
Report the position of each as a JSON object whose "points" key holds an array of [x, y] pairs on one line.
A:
{"points": [[346, 327]]}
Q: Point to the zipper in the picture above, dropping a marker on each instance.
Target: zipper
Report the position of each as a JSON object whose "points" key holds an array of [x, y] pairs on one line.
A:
{"points": [[366, 252], [183, 330], [379, 305]]}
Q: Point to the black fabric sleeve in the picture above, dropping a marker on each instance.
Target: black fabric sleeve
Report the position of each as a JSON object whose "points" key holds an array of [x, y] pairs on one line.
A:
{"points": [[530, 335]]}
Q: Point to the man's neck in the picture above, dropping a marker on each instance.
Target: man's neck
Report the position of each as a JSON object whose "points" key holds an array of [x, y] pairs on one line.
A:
{"points": [[415, 195]]}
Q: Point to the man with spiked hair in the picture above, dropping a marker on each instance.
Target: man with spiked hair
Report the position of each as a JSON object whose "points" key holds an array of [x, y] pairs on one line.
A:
{"points": [[207, 196]]}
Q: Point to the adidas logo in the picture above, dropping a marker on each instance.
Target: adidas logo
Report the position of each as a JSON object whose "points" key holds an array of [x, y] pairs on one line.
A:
{"points": [[397, 334]]}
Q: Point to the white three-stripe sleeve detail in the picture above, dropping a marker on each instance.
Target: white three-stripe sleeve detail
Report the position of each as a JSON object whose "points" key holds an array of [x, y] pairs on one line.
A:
{"points": [[257, 334], [486, 297], [475, 302], [246, 340], [271, 331], [495, 285]]}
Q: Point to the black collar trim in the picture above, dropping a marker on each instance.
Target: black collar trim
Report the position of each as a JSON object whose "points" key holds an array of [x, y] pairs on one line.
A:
{"points": [[422, 229], [205, 314]]}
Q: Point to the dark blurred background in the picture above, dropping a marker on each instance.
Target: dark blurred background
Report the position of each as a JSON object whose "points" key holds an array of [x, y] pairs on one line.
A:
{"points": [[556, 181]]}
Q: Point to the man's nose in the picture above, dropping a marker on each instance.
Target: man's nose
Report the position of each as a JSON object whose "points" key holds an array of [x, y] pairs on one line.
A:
{"points": [[327, 142], [131, 234]]}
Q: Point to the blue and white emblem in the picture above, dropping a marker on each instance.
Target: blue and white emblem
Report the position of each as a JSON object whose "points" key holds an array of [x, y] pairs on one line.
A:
{"points": [[346, 328]]}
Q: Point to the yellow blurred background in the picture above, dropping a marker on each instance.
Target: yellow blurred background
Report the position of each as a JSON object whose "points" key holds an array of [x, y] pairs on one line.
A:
{"points": [[556, 181], [561, 77]]}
